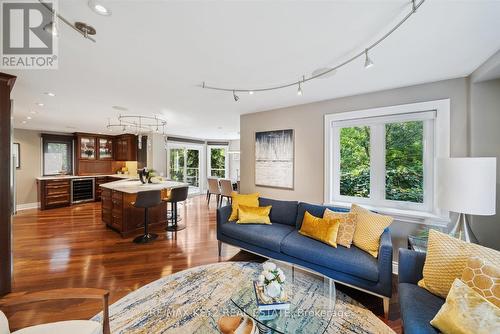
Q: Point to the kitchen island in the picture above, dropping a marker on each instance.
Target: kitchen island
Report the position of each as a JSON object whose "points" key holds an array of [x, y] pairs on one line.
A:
{"points": [[118, 211]]}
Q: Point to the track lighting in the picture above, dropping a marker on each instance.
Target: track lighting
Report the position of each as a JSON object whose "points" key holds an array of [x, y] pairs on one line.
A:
{"points": [[330, 70], [368, 61], [51, 28], [236, 97]]}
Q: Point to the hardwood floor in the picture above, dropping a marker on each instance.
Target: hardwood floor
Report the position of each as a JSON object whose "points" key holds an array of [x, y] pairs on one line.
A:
{"points": [[71, 247]]}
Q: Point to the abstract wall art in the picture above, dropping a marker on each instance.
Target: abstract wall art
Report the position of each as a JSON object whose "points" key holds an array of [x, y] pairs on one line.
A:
{"points": [[274, 159]]}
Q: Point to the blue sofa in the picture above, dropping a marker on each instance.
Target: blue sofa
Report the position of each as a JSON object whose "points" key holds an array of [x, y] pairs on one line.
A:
{"points": [[418, 306], [282, 241]]}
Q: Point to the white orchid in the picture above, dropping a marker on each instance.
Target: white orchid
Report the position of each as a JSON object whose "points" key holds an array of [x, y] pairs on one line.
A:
{"points": [[269, 276], [282, 277], [269, 266], [262, 279]]}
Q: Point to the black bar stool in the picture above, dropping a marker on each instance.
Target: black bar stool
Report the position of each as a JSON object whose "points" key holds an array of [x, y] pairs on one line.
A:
{"points": [[176, 195], [146, 200]]}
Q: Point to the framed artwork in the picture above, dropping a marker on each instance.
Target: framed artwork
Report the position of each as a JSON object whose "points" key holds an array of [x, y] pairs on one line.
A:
{"points": [[274, 159], [16, 153]]}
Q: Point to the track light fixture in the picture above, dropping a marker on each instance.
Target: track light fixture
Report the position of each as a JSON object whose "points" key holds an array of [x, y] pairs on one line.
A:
{"points": [[368, 62], [299, 90], [51, 27]]}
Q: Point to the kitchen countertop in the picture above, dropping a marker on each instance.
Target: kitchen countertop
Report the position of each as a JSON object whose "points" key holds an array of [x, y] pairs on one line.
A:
{"points": [[62, 177], [134, 186]]}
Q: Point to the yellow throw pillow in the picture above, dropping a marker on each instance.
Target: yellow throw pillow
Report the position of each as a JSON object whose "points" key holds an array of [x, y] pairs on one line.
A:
{"points": [[254, 215], [484, 278], [465, 311], [369, 228], [346, 228], [446, 260], [243, 199], [324, 230]]}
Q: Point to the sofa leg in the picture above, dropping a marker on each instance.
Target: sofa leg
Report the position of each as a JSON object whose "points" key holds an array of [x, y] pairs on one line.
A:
{"points": [[220, 247], [386, 301]]}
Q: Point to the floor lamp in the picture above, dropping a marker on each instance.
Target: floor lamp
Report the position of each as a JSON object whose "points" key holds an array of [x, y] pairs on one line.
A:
{"points": [[467, 186]]}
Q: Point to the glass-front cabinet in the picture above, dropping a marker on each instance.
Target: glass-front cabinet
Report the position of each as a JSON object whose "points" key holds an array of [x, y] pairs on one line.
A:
{"points": [[105, 148], [87, 147]]}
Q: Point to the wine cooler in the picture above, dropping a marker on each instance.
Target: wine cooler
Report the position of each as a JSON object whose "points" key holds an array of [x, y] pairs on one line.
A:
{"points": [[82, 190]]}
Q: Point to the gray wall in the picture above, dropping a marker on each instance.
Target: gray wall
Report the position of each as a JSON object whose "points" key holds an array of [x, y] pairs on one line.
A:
{"points": [[31, 157], [307, 121], [485, 142]]}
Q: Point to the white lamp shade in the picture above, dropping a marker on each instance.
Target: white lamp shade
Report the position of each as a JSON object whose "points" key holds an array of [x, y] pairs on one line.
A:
{"points": [[467, 185]]}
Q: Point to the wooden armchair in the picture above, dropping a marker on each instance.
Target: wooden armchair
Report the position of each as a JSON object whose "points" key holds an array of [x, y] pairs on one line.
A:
{"points": [[73, 326]]}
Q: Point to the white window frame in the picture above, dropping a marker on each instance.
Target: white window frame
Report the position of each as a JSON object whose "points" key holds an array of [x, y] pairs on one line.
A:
{"points": [[436, 117], [226, 159], [187, 146]]}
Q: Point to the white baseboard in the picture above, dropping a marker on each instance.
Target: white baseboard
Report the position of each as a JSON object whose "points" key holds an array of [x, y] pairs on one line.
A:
{"points": [[27, 206], [394, 267]]}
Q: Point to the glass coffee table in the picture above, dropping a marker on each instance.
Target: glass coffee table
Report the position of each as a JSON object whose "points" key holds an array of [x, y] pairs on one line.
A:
{"points": [[311, 297]]}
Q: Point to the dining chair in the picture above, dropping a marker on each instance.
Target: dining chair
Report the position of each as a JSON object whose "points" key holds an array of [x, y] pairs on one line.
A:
{"points": [[226, 188], [213, 189], [71, 326]]}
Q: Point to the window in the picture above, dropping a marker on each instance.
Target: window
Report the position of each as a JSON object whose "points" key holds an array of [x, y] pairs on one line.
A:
{"points": [[218, 161], [184, 165], [57, 154], [384, 157]]}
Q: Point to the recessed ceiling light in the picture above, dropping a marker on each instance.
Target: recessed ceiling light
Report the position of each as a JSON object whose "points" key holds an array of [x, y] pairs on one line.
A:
{"points": [[40, 104], [50, 94], [24, 122], [29, 117], [120, 108], [99, 8]]}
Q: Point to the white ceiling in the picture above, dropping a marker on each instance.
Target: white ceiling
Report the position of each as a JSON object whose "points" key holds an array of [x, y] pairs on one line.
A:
{"points": [[151, 57]]}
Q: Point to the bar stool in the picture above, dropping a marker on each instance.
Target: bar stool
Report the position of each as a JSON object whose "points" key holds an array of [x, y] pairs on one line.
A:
{"points": [[146, 200], [176, 195]]}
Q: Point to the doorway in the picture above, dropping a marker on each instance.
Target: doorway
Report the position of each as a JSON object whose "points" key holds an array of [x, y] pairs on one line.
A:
{"points": [[185, 165]]}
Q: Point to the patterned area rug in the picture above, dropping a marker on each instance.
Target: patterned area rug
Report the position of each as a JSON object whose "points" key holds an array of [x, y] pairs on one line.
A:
{"points": [[192, 301]]}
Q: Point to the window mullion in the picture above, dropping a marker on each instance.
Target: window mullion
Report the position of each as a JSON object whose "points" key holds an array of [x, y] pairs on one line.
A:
{"points": [[377, 163]]}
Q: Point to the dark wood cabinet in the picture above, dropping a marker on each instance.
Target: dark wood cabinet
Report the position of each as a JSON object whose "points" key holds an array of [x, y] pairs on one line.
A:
{"points": [[98, 190], [126, 147], [105, 148], [86, 147], [54, 193], [119, 213], [100, 154], [6, 84]]}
